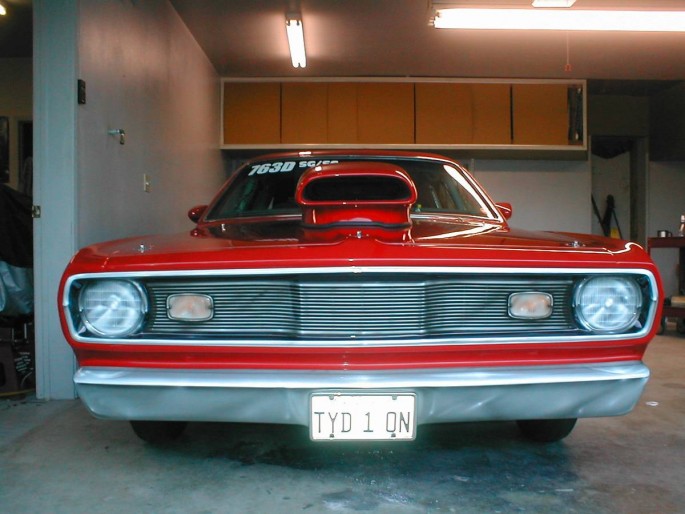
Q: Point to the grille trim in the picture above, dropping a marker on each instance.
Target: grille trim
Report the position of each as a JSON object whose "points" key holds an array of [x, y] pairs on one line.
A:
{"points": [[650, 305], [303, 308]]}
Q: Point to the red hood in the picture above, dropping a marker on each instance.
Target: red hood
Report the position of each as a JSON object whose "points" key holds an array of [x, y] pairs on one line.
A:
{"points": [[431, 241]]}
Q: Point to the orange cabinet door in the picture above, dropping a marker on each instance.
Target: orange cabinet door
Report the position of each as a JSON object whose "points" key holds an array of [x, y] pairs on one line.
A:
{"points": [[540, 114], [252, 113]]}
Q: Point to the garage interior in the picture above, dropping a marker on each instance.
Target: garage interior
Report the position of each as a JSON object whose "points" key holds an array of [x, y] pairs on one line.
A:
{"points": [[154, 76]]}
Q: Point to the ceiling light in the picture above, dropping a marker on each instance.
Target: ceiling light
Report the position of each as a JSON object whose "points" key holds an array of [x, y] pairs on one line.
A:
{"points": [[295, 31], [3, 11], [554, 19], [553, 3]]}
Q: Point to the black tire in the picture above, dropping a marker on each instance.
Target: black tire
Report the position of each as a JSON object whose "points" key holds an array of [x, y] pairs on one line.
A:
{"points": [[159, 432], [546, 430]]}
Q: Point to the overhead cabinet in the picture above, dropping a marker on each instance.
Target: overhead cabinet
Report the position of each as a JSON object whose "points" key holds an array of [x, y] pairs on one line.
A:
{"points": [[404, 114]]}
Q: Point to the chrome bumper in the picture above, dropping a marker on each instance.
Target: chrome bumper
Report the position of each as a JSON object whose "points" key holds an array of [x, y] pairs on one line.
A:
{"points": [[443, 395]]}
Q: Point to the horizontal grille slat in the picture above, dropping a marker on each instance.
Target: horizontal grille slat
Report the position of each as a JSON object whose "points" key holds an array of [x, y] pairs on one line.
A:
{"points": [[358, 306]]}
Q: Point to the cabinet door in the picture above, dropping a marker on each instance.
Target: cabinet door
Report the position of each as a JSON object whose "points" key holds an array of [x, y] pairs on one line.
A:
{"points": [[304, 113], [385, 113], [252, 113], [540, 114], [444, 114], [342, 113], [463, 114], [492, 114]]}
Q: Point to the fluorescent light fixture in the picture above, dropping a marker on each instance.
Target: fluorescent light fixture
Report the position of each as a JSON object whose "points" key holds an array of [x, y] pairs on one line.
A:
{"points": [[553, 3], [294, 29], [556, 19]]}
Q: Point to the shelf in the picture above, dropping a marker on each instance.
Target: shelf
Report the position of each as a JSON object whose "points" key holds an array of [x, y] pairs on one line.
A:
{"points": [[494, 152], [666, 242]]}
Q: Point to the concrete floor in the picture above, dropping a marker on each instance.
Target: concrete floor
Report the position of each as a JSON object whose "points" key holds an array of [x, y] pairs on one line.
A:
{"points": [[55, 458]]}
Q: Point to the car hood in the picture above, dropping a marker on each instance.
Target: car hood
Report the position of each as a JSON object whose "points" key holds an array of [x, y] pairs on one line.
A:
{"points": [[431, 240]]}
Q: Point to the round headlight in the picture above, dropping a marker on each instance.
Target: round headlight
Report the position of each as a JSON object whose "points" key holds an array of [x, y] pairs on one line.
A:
{"points": [[112, 308], [608, 304]]}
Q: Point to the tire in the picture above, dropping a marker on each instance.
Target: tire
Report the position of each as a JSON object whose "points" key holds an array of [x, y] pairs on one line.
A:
{"points": [[159, 432], [546, 430]]}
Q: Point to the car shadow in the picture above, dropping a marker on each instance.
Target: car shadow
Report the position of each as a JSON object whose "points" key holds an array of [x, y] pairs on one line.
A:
{"points": [[474, 444]]}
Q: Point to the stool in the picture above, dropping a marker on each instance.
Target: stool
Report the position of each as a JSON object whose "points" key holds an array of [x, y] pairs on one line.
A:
{"points": [[8, 369]]}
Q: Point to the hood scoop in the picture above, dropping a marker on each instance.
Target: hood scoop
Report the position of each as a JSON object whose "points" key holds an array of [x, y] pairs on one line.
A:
{"points": [[363, 196]]}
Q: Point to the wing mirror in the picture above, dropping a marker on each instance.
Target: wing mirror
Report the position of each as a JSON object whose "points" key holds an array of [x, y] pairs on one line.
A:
{"points": [[505, 209], [196, 213]]}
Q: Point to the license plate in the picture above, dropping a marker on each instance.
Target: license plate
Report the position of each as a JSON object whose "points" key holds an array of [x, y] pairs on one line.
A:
{"points": [[353, 417]]}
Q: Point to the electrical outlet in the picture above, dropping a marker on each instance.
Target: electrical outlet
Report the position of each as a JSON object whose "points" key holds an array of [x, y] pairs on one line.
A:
{"points": [[147, 183]]}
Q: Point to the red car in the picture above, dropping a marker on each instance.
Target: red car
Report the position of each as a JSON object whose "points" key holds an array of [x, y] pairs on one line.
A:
{"points": [[361, 294]]}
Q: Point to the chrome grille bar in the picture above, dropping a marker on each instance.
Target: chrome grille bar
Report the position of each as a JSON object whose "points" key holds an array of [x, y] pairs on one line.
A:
{"points": [[358, 306]]}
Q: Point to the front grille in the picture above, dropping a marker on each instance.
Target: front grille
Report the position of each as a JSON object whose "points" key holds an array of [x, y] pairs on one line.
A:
{"points": [[365, 306]]}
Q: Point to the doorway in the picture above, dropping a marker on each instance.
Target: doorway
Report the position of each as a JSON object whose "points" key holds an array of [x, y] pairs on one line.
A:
{"points": [[619, 187]]}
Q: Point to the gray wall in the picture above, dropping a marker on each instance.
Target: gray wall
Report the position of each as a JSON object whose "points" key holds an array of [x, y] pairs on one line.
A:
{"points": [[667, 203], [667, 127], [618, 115], [546, 195], [55, 64], [147, 75]]}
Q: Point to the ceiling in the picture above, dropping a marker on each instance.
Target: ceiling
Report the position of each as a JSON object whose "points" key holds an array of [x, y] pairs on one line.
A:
{"points": [[393, 38]]}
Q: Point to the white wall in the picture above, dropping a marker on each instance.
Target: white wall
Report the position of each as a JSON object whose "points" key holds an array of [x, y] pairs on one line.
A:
{"points": [[666, 204], [145, 74], [546, 195], [16, 102]]}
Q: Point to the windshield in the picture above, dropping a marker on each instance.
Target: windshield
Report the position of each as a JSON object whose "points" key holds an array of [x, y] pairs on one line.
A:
{"points": [[268, 188]]}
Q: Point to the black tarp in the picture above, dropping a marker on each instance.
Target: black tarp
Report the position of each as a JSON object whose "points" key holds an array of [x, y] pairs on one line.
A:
{"points": [[16, 228], [16, 254]]}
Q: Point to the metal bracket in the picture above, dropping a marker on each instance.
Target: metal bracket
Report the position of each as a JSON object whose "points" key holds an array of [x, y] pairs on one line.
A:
{"points": [[119, 132]]}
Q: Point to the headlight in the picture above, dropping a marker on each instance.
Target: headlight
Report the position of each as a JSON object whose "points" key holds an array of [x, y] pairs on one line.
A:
{"points": [[608, 304], [112, 308]]}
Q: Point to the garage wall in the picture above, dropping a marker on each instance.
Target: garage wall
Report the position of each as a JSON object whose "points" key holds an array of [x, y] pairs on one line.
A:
{"points": [[16, 102], [144, 74], [667, 124], [666, 204], [546, 195]]}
